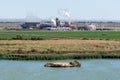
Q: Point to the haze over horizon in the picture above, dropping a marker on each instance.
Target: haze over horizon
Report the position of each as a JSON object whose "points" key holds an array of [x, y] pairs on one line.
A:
{"points": [[45, 9]]}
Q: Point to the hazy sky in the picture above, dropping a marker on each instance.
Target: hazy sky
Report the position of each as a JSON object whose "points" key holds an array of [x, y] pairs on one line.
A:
{"points": [[78, 9]]}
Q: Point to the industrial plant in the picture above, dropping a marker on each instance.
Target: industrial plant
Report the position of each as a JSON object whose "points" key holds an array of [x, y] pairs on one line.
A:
{"points": [[57, 24]]}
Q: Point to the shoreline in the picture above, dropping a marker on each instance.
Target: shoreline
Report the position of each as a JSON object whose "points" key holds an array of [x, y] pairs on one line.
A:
{"points": [[58, 57]]}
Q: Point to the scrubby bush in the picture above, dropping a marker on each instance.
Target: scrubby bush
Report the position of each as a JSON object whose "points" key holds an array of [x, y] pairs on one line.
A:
{"points": [[33, 50], [19, 50], [18, 37]]}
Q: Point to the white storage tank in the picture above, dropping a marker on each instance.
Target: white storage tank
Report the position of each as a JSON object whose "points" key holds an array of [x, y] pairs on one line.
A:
{"points": [[90, 27]]}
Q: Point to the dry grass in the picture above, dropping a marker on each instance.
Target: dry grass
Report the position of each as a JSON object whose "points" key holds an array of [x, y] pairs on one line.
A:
{"points": [[59, 45]]}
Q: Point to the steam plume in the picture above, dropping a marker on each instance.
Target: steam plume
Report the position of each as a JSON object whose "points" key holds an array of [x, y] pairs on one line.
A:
{"points": [[54, 22], [64, 12]]}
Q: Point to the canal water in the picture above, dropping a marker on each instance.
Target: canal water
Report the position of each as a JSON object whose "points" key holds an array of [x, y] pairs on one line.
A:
{"points": [[34, 70]]}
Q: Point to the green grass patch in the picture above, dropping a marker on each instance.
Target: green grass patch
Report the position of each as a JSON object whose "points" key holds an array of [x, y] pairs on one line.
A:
{"points": [[41, 35]]}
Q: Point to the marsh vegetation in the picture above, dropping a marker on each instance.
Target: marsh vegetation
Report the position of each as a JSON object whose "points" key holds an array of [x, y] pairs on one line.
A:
{"points": [[59, 49]]}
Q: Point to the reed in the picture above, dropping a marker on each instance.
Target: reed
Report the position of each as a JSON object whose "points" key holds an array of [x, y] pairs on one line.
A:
{"points": [[58, 57]]}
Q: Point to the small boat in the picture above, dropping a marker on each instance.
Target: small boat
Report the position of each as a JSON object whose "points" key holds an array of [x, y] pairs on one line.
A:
{"points": [[63, 64]]}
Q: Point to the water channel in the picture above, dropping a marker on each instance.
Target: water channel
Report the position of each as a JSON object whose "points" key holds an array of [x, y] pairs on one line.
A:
{"points": [[100, 69]]}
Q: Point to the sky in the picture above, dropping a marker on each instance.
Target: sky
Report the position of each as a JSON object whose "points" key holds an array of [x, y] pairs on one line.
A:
{"points": [[45, 9]]}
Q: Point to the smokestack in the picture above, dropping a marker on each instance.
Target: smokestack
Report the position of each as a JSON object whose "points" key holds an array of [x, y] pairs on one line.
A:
{"points": [[57, 22]]}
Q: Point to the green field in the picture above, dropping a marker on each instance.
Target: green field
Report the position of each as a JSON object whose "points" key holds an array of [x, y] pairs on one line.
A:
{"points": [[109, 35], [53, 45]]}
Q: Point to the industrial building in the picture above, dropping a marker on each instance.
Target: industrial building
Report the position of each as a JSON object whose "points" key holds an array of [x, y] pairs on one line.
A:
{"points": [[57, 24]]}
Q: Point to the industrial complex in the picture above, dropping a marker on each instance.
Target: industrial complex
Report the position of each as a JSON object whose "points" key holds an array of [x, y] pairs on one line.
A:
{"points": [[57, 24]]}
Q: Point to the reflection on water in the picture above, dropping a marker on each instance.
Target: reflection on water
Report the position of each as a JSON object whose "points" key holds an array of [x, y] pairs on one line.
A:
{"points": [[35, 70]]}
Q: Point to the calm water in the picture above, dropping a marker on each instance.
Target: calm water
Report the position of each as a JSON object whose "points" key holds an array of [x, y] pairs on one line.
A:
{"points": [[35, 70]]}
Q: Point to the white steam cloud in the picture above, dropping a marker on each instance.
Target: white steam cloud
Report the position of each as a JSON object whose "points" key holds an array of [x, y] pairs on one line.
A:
{"points": [[54, 22], [64, 12]]}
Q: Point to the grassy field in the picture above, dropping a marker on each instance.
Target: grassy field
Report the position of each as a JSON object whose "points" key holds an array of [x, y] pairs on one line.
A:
{"points": [[58, 49], [53, 45], [109, 35]]}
